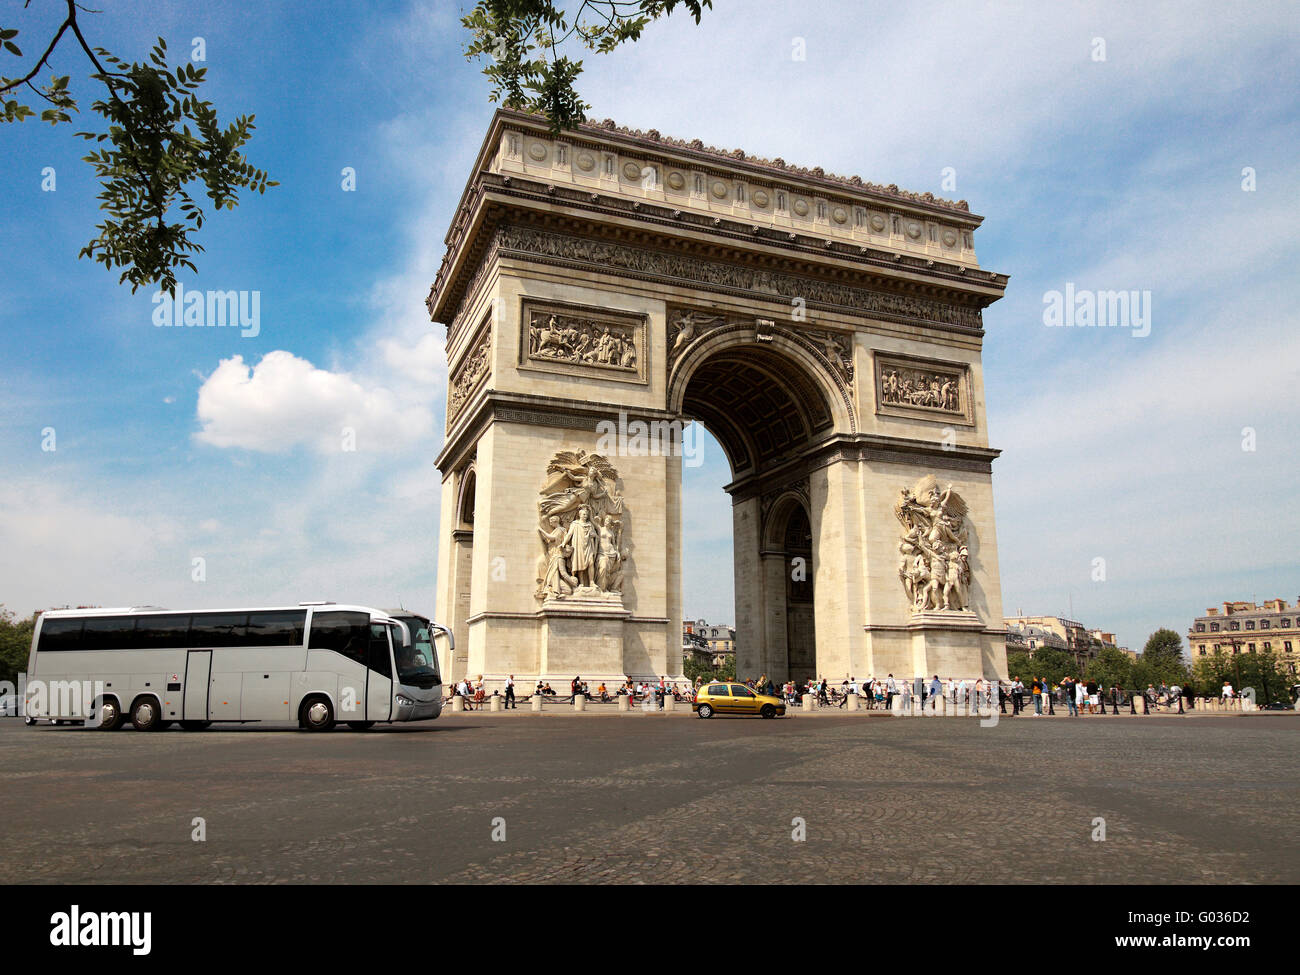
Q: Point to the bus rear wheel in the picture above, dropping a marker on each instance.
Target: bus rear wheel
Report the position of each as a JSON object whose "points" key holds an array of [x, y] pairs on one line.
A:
{"points": [[194, 725], [361, 725], [110, 715], [145, 715], [317, 714]]}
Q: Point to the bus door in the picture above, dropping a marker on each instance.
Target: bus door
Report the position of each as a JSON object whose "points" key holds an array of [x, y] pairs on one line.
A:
{"points": [[379, 675], [198, 676]]}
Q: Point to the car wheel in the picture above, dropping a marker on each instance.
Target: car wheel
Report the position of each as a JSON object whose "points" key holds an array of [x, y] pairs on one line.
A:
{"points": [[145, 715], [361, 725], [768, 711], [194, 725], [705, 711], [317, 714]]}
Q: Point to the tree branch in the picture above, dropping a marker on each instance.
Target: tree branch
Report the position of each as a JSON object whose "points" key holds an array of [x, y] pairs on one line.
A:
{"points": [[44, 57]]}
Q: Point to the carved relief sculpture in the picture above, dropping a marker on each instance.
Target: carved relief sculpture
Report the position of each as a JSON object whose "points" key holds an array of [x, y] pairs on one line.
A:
{"points": [[469, 375], [838, 350], [580, 524], [916, 387], [934, 553], [569, 339], [684, 327], [923, 388]]}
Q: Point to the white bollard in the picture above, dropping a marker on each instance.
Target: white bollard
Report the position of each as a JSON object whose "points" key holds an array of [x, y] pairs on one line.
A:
{"points": [[457, 703], [853, 703], [536, 701], [622, 703], [896, 706], [808, 703], [579, 702], [669, 701], [495, 703]]}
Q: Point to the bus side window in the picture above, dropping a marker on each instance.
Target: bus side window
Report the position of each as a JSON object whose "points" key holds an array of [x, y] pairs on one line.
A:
{"points": [[218, 629], [380, 662], [343, 632]]}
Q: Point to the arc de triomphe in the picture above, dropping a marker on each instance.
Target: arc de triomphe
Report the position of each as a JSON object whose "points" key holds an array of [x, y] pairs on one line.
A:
{"points": [[600, 287]]}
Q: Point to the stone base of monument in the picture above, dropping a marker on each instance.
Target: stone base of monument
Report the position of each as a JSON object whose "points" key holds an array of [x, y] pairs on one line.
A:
{"points": [[949, 643], [582, 634]]}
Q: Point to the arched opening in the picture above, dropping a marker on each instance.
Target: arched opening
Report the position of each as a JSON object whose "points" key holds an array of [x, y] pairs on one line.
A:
{"points": [[461, 565], [465, 506], [764, 409]]}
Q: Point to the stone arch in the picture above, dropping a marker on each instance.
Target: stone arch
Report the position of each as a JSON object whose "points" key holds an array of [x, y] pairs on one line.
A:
{"points": [[762, 400], [785, 564], [778, 342], [465, 499], [776, 516]]}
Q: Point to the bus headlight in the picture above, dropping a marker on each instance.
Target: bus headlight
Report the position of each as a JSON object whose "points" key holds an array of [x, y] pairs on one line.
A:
{"points": [[404, 701]]}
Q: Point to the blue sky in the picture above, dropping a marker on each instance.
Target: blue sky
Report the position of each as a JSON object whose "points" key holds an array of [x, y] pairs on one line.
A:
{"points": [[177, 444]]}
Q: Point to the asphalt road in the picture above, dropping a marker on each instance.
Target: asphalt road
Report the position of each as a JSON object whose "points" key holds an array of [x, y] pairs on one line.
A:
{"points": [[637, 798]]}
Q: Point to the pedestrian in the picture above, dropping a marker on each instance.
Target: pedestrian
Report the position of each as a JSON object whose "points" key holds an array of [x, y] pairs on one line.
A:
{"points": [[510, 694]]}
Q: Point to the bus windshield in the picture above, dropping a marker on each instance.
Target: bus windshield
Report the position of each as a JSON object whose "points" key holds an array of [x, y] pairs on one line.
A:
{"points": [[417, 661]]}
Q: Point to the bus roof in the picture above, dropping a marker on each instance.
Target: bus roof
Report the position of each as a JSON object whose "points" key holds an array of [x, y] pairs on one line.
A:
{"points": [[163, 611]]}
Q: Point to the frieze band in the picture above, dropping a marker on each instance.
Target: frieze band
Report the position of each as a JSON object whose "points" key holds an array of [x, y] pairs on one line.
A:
{"points": [[615, 257]]}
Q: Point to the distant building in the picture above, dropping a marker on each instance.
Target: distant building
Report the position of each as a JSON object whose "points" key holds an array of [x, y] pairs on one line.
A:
{"points": [[1028, 638], [1103, 639], [717, 641], [1242, 627], [1072, 636]]}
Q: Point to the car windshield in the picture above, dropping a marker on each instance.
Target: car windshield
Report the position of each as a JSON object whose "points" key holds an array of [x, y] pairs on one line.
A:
{"points": [[417, 661]]}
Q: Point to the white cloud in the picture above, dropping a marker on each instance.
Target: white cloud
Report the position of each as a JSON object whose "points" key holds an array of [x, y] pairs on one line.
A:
{"points": [[285, 401]]}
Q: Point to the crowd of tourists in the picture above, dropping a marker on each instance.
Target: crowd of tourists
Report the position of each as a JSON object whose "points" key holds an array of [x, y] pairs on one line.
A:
{"points": [[1077, 696], [1039, 696]]}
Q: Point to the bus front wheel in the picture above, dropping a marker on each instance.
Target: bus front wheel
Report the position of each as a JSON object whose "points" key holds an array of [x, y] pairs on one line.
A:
{"points": [[361, 725], [317, 714]]}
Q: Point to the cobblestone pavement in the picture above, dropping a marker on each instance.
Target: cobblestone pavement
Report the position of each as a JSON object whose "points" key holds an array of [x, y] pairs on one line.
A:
{"points": [[653, 798]]}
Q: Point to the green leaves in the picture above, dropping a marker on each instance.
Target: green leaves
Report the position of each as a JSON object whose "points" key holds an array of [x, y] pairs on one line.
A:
{"points": [[152, 159], [522, 40], [149, 158]]}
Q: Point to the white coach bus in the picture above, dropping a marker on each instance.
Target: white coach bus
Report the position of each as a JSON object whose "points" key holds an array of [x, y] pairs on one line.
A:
{"points": [[315, 663]]}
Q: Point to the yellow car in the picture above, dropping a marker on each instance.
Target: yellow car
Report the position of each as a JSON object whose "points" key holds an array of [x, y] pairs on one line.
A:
{"points": [[717, 698]]}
